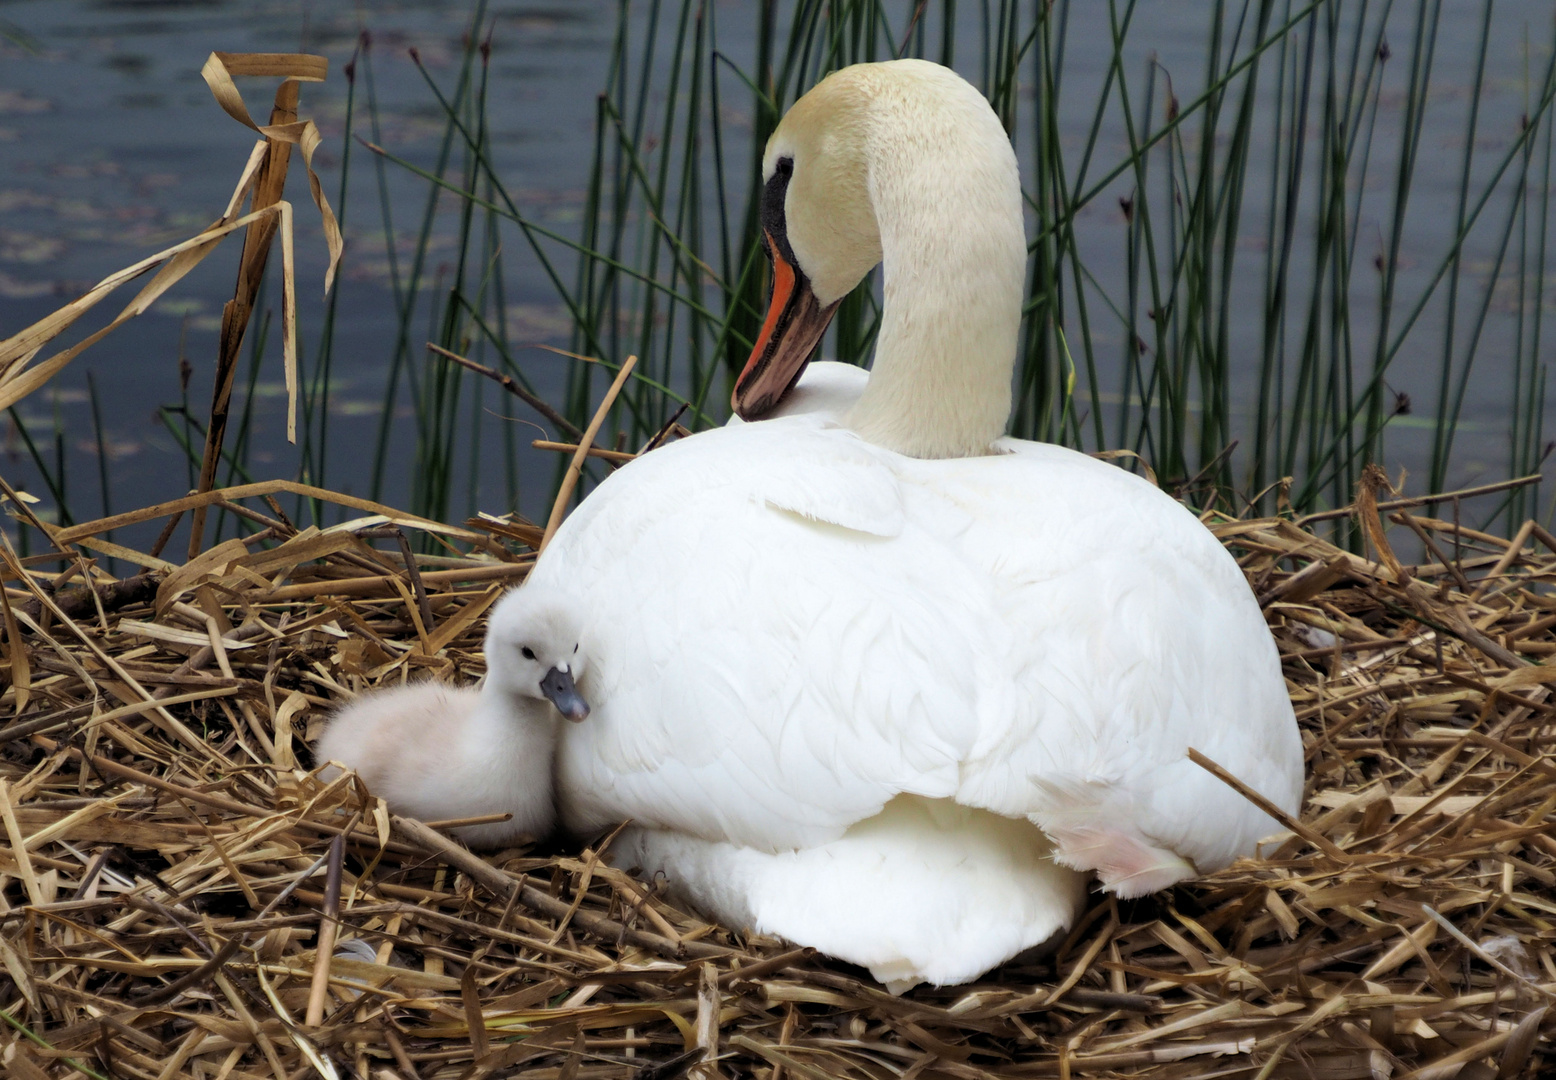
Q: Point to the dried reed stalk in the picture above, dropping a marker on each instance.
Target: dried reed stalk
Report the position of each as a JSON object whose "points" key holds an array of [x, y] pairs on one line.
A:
{"points": [[575, 467], [274, 152]]}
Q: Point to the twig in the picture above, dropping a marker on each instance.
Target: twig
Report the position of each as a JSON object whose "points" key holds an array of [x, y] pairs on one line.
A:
{"points": [[193, 978], [1109, 999], [250, 515], [90, 874], [1211, 466], [479, 870], [1366, 508], [907, 36], [1308, 582], [328, 924], [1514, 549], [1400, 504], [575, 467], [105, 765], [763, 968], [1464, 940], [412, 571], [34, 724], [513, 386], [1287, 821], [77, 601], [26, 512], [226, 952], [1431, 546], [384, 586], [237, 312], [246, 491], [615, 457], [475, 1022], [401, 1058], [664, 432], [166, 534]]}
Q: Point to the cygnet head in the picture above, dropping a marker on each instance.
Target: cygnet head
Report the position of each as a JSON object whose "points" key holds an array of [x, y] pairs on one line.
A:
{"points": [[534, 648], [905, 162]]}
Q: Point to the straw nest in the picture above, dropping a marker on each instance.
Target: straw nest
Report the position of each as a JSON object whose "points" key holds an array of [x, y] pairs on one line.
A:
{"points": [[167, 878]]}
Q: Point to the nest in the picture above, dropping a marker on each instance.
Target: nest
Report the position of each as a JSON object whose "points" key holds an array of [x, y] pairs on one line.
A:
{"points": [[181, 896]]}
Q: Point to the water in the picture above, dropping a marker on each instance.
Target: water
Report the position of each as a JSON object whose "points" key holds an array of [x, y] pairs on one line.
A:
{"points": [[111, 147]]}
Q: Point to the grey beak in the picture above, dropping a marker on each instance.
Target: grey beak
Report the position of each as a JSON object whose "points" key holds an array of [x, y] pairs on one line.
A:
{"points": [[560, 691]]}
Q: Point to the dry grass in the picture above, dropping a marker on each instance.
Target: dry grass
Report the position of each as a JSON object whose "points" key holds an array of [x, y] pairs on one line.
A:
{"points": [[167, 850]]}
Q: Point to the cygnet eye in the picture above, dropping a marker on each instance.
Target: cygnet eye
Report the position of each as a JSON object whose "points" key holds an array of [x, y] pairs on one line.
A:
{"points": [[529, 653]]}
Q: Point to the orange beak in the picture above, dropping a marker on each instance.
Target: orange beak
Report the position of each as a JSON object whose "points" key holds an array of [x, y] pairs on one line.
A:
{"points": [[794, 325]]}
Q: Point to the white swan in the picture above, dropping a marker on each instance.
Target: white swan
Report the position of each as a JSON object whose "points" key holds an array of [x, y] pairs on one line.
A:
{"points": [[439, 752], [869, 676]]}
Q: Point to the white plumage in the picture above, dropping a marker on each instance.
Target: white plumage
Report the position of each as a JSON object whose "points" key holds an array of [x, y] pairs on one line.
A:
{"points": [[441, 753], [870, 677], [986, 880]]}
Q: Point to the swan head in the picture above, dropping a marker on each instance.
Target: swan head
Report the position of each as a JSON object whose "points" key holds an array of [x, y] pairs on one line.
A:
{"points": [[902, 161], [534, 648]]}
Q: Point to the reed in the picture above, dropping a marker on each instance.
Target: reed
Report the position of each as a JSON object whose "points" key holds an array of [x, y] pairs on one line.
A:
{"points": [[1227, 263], [1234, 273]]}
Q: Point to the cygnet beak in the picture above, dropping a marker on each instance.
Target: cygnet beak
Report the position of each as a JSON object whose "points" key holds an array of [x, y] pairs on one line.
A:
{"points": [[560, 691]]}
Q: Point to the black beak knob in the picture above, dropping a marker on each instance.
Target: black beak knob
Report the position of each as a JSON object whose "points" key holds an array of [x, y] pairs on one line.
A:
{"points": [[560, 691]]}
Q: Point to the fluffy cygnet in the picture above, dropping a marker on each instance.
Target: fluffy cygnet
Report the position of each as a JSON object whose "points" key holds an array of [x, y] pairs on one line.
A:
{"points": [[438, 752]]}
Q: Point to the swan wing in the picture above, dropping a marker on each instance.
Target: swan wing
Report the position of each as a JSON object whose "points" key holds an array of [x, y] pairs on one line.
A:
{"points": [[763, 619], [1132, 636], [792, 627]]}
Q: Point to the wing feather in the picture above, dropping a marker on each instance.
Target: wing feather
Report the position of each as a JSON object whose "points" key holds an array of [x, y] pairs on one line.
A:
{"points": [[1133, 636], [763, 623], [790, 627]]}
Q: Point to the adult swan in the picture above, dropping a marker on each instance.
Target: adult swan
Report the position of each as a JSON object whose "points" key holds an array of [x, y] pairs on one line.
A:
{"points": [[873, 678]]}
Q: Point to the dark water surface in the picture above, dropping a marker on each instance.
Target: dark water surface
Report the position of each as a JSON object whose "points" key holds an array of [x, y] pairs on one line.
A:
{"points": [[111, 147]]}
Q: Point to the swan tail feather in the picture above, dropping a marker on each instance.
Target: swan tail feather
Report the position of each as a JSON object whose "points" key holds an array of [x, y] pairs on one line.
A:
{"points": [[1125, 864], [1092, 826]]}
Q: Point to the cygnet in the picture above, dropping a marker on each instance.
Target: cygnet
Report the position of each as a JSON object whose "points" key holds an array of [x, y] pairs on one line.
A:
{"points": [[440, 753]]}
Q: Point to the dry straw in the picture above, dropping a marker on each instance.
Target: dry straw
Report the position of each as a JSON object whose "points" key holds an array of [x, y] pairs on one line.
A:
{"points": [[260, 185], [167, 876]]}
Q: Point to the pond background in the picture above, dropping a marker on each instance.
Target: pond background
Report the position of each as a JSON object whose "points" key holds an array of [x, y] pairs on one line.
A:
{"points": [[111, 147]]}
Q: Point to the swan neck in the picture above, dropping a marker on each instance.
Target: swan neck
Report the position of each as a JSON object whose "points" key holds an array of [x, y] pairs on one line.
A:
{"points": [[954, 266]]}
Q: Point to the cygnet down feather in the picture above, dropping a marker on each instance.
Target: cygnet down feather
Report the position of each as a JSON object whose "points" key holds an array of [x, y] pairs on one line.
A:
{"points": [[441, 753]]}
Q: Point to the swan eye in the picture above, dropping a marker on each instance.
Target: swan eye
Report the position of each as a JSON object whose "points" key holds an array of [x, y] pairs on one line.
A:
{"points": [[529, 653], [785, 166], [575, 648]]}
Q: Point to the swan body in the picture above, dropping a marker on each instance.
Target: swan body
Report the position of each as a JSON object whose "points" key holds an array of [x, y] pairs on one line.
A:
{"points": [[872, 677], [441, 753]]}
